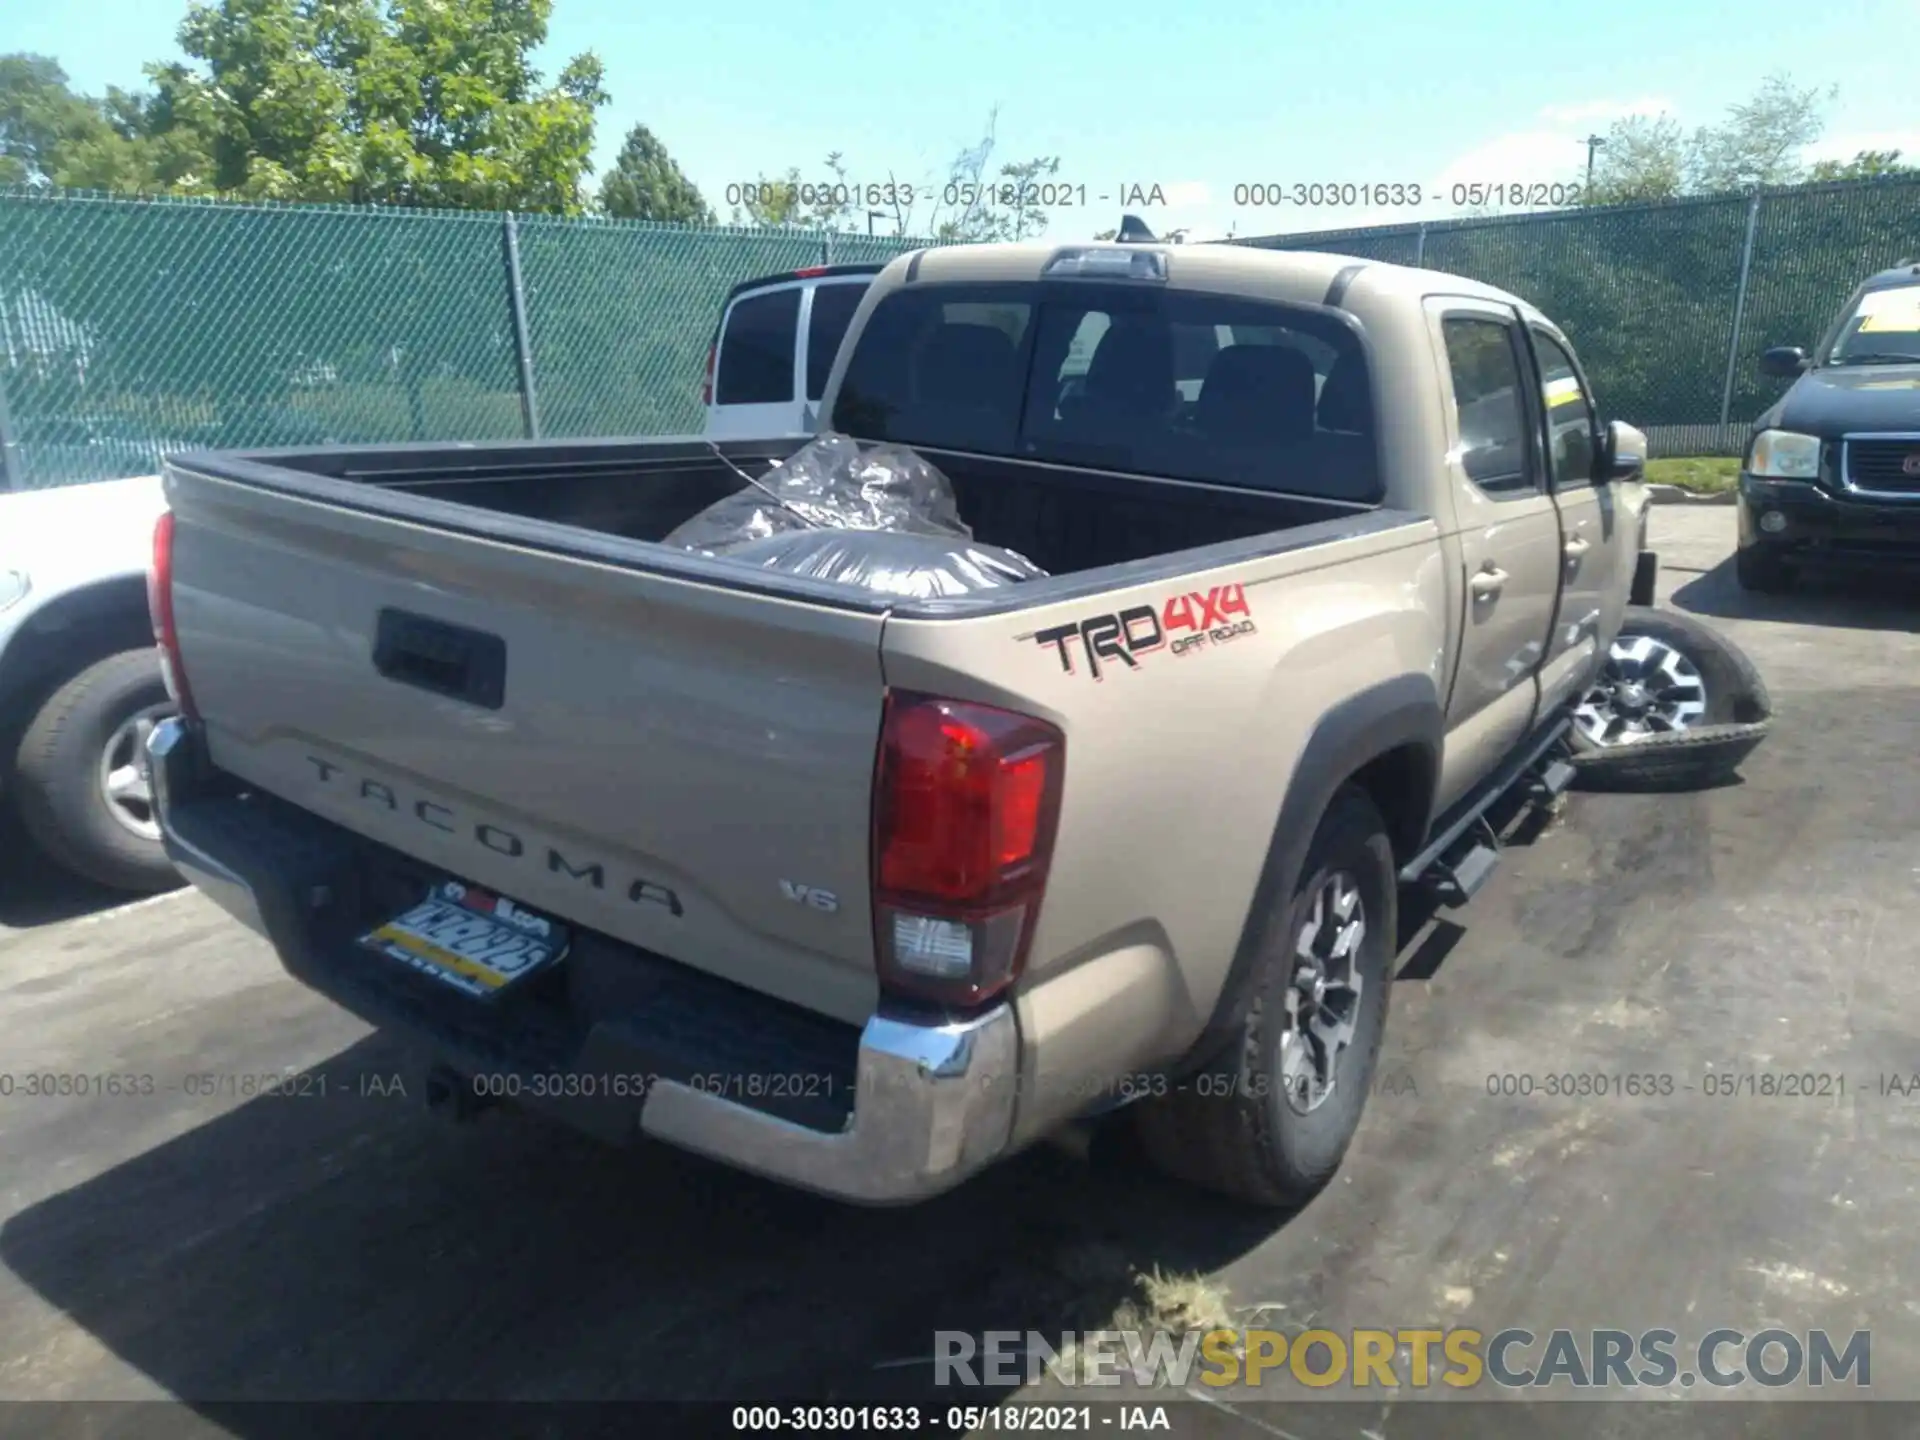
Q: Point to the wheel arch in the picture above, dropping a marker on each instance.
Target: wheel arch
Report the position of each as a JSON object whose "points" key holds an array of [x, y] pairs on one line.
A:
{"points": [[1388, 740], [65, 633]]}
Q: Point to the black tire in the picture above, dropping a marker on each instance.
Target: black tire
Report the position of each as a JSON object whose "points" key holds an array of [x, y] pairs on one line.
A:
{"points": [[1736, 721], [1232, 1129], [1696, 760], [1761, 571], [56, 770]]}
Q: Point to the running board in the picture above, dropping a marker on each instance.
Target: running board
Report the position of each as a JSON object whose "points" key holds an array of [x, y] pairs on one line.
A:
{"points": [[1550, 779], [1535, 765], [1455, 882]]}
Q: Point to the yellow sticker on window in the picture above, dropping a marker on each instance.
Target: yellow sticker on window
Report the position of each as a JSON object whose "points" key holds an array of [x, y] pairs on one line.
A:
{"points": [[1560, 391], [1885, 310]]}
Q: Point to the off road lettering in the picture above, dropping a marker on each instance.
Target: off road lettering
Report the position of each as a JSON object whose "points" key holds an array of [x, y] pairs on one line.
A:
{"points": [[1121, 637]]}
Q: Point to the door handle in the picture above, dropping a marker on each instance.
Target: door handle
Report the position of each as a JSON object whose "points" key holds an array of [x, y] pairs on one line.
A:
{"points": [[1488, 583], [1577, 547], [445, 659]]}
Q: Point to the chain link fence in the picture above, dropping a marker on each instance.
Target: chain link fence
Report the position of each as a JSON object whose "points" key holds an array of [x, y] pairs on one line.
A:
{"points": [[129, 328], [1670, 305], [132, 328]]}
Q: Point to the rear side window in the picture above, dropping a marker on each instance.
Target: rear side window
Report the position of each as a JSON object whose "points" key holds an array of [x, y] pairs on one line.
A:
{"points": [[756, 350], [833, 307], [1192, 386], [1488, 405]]}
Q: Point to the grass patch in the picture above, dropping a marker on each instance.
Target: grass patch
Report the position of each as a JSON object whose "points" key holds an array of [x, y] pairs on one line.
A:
{"points": [[1702, 474], [1149, 1301]]}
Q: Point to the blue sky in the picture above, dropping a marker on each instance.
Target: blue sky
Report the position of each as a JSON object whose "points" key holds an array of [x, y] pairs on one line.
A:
{"points": [[1196, 97]]}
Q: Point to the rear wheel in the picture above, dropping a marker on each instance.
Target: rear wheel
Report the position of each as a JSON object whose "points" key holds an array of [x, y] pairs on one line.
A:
{"points": [[84, 791], [1271, 1122]]}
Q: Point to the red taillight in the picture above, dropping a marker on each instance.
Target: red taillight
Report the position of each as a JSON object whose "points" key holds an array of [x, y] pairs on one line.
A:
{"points": [[166, 635], [809, 272], [966, 799], [706, 385]]}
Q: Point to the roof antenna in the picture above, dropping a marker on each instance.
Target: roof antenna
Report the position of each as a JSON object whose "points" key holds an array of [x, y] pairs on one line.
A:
{"points": [[1133, 231]]}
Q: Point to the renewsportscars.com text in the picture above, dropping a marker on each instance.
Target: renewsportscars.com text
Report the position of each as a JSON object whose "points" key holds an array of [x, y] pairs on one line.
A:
{"points": [[1458, 1359]]}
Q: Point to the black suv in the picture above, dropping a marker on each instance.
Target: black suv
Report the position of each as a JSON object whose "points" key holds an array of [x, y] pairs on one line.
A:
{"points": [[1832, 470]]}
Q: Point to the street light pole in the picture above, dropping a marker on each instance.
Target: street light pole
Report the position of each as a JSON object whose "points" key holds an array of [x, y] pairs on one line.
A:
{"points": [[1594, 142]]}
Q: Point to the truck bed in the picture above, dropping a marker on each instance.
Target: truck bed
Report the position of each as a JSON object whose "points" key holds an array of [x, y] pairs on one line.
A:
{"points": [[474, 656], [1065, 519]]}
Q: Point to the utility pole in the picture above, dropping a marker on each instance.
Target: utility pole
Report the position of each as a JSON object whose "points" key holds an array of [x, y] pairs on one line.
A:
{"points": [[1594, 142]]}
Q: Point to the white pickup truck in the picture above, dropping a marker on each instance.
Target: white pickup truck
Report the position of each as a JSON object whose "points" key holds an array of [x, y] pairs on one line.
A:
{"points": [[80, 682]]}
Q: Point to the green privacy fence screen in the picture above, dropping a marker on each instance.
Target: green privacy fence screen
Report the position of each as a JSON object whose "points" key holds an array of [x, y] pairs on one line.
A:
{"points": [[131, 328], [1670, 305]]}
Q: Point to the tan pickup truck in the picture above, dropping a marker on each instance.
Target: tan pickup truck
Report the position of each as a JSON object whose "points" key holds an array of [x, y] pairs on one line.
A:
{"points": [[864, 892]]}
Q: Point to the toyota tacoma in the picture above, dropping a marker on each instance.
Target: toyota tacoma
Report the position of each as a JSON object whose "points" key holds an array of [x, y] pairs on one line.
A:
{"points": [[864, 892]]}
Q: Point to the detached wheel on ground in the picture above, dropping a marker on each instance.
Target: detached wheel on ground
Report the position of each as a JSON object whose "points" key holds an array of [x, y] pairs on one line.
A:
{"points": [[81, 777], [1762, 571], [1676, 706], [1270, 1123]]}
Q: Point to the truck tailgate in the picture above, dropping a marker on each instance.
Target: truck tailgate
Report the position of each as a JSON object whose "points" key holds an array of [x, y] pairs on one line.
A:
{"points": [[680, 765]]}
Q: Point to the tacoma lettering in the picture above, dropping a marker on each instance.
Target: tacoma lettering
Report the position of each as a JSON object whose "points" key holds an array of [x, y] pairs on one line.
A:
{"points": [[497, 838]]}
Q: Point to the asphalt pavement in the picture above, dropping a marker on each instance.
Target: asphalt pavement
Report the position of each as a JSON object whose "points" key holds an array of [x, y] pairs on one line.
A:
{"points": [[195, 1237]]}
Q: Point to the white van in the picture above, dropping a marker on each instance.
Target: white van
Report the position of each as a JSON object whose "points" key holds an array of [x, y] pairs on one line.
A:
{"points": [[767, 367]]}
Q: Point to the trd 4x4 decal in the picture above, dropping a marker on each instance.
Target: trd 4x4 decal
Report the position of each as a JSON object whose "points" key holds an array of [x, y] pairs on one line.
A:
{"points": [[1181, 625]]}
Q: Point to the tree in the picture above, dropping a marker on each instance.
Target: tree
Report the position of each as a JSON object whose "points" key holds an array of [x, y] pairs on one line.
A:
{"points": [[1865, 165], [1018, 213], [1759, 143], [1761, 140], [972, 201], [1642, 157], [826, 202], [419, 102], [39, 116], [51, 136], [646, 184]]}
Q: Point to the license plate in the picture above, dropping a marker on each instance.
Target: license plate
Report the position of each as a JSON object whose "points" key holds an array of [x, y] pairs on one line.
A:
{"points": [[471, 939]]}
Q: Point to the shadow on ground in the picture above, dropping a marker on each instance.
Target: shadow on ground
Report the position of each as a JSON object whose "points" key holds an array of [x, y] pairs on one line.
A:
{"points": [[334, 1242], [1832, 599], [35, 891], [350, 1247]]}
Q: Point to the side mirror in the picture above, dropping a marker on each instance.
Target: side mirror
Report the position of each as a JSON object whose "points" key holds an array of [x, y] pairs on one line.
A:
{"points": [[1783, 362], [1623, 454]]}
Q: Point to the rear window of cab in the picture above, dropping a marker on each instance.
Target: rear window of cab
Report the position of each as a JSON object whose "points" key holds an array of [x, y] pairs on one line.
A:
{"points": [[1189, 385]]}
